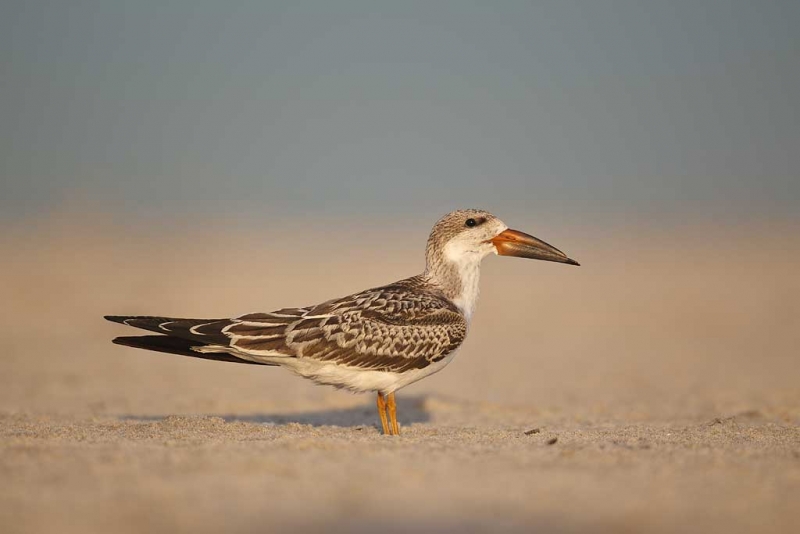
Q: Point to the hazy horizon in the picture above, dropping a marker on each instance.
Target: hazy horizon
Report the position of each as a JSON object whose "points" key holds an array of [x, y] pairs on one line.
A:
{"points": [[580, 111]]}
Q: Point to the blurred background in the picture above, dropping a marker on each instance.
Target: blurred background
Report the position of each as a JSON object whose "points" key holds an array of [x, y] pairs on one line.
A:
{"points": [[379, 111], [208, 159]]}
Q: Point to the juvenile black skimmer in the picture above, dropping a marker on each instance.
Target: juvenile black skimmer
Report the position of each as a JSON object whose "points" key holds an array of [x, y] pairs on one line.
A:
{"points": [[379, 340]]}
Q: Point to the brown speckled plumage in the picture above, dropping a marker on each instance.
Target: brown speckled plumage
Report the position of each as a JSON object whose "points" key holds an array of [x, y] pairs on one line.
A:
{"points": [[389, 328]]}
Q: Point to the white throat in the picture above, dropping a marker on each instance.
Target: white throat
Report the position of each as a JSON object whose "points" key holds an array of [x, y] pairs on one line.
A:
{"points": [[467, 264]]}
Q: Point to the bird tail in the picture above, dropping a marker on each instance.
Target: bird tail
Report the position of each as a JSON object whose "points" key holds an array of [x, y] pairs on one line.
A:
{"points": [[186, 337]]}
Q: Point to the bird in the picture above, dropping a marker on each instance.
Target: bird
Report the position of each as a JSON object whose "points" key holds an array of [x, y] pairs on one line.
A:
{"points": [[377, 340]]}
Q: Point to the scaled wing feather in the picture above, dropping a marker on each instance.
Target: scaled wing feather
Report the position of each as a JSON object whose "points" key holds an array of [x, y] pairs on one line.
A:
{"points": [[392, 328]]}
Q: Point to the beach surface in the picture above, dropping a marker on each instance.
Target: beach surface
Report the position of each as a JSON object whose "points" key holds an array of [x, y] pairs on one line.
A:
{"points": [[653, 389]]}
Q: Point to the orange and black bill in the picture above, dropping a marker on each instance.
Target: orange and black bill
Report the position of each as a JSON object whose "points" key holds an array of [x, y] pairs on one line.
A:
{"points": [[516, 243]]}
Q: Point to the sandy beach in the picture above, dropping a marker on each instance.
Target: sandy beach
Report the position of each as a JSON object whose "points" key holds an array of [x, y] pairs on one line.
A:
{"points": [[653, 389]]}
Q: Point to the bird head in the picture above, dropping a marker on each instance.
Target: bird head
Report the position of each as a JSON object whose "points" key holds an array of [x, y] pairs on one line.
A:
{"points": [[467, 236]]}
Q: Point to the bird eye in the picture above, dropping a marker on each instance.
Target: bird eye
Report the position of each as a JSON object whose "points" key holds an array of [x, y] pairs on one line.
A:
{"points": [[471, 222]]}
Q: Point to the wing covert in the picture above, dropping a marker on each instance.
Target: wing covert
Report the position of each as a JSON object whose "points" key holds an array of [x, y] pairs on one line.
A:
{"points": [[392, 328]]}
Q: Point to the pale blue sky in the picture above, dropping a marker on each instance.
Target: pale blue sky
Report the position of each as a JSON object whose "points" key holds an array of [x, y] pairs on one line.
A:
{"points": [[670, 108]]}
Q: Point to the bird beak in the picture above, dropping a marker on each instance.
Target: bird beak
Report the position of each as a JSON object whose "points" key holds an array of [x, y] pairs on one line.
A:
{"points": [[516, 243]]}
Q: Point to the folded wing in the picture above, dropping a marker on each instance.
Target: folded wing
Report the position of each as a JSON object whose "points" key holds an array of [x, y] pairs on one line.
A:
{"points": [[391, 328]]}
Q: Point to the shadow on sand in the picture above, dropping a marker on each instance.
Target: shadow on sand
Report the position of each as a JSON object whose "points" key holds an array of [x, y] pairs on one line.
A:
{"points": [[409, 410]]}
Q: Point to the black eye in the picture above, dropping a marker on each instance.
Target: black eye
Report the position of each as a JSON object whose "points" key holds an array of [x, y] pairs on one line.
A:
{"points": [[471, 222]]}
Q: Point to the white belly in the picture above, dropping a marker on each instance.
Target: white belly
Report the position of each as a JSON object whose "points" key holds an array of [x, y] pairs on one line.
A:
{"points": [[359, 380]]}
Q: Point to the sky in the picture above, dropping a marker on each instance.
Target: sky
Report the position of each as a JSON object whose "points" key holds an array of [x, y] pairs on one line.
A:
{"points": [[362, 109]]}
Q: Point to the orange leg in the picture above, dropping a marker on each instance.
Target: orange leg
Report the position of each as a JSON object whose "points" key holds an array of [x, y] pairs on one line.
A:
{"points": [[392, 405], [382, 413]]}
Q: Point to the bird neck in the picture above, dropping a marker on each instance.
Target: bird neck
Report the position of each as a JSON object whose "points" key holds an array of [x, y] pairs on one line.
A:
{"points": [[457, 277]]}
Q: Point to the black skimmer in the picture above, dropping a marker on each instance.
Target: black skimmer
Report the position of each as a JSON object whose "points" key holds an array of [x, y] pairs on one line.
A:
{"points": [[378, 340]]}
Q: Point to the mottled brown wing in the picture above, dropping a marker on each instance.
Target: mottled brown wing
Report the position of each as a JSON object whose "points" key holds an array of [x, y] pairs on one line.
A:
{"points": [[393, 328]]}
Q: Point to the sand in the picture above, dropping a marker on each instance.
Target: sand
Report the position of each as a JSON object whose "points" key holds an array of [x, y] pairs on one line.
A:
{"points": [[653, 389]]}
